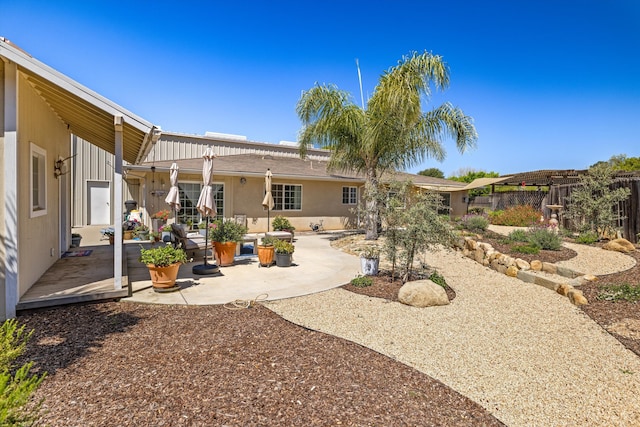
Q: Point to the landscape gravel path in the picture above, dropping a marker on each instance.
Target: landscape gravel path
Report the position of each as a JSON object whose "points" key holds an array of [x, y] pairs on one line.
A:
{"points": [[523, 352]]}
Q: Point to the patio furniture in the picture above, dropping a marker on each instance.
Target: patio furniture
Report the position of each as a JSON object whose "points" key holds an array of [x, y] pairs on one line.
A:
{"points": [[282, 235], [248, 238], [190, 242]]}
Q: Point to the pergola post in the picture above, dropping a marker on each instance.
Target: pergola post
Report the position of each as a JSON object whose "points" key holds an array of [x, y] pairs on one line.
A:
{"points": [[10, 269], [118, 124]]}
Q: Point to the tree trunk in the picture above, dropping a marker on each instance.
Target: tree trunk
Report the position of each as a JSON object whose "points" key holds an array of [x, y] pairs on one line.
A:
{"points": [[371, 205]]}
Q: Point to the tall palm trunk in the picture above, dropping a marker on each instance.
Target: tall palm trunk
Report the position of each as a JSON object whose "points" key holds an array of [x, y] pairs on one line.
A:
{"points": [[372, 216]]}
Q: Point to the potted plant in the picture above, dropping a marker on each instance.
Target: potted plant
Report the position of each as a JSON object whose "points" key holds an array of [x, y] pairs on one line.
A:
{"points": [[128, 227], [155, 236], [370, 260], [109, 233], [141, 231], [225, 235], [159, 219], [163, 263], [165, 231], [75, 240], [266, 250], [281, 223], [284, 252]]}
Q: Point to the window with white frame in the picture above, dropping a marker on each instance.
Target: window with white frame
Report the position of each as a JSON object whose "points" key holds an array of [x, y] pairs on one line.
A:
{"points": [[349, 195], [189, 195], [286, 197], [38, 182]]}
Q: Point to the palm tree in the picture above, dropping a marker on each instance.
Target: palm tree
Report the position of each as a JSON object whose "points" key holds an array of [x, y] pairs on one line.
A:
{"points": [[392, 132]]}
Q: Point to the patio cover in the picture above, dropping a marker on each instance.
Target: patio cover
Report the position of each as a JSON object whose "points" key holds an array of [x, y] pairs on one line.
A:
{"points": [[476, 183], [87, 114]]}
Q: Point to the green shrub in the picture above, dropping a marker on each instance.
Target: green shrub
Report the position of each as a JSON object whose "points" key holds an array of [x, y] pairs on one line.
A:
{"points": [[362, 281], [281, 223], [587, 237], [438, 279], [16, 389], [516, 216], [625, 292], [518, 235], [475, 223], [527, 249], [162, 256], [544, 238]]}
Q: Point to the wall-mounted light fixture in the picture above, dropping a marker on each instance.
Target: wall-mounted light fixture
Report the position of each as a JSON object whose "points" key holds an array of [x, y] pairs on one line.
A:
{"points": [[60, 167], [243, 180]]}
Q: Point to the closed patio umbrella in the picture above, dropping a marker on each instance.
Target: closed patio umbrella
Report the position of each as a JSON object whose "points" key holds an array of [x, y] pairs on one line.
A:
{"points": [[173, 198], [267, 202], [207, 207]]}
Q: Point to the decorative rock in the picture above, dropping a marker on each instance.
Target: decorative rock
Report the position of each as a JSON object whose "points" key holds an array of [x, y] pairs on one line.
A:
{"points": [[550, 268], [478, 255], [522, 264], [422, 293], [619, 245], [576, 297], [536, 265], [512, 271], [470, 244], [494, 255], [563, 289]]}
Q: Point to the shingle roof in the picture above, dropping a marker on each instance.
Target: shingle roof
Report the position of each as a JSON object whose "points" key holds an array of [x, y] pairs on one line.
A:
{"points": [[257, 165]]}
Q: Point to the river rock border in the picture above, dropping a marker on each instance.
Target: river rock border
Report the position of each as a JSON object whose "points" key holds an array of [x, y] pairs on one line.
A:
{"points": [[557, 278]]}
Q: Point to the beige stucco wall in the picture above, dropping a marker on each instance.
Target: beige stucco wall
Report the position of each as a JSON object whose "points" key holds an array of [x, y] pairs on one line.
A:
{"points": [[458, 205], [321, 200], [37, 236]]}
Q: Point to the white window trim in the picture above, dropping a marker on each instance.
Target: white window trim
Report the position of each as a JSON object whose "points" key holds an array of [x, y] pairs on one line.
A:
{"points": [[36, 211], [212, 183], [301, 197], [350, 203]]}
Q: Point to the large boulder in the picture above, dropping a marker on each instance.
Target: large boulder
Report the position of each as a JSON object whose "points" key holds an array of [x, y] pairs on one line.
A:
{"points": [[422, 293], [619, 245]]}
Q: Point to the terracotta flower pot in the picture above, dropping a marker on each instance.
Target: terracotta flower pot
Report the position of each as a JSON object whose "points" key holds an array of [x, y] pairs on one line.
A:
{"points": [[163, 277], [265, 255], [225, 252]]}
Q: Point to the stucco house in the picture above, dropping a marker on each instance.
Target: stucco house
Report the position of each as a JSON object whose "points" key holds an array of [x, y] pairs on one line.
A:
{"points": [[40, 108], [304, 190], [71, 157]]}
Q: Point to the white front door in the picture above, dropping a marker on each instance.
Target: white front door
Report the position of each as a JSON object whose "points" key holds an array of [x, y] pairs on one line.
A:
{"points": [[98, 196]]}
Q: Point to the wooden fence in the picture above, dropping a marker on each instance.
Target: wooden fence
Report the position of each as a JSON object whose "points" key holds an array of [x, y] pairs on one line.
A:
{"points": [[628, 210]]}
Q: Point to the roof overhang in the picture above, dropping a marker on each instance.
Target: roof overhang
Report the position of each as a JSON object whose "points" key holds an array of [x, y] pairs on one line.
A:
{"points": [[87, 114]]}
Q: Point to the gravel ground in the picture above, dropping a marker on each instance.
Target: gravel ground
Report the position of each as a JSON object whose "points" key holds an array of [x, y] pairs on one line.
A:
{"points": [[523, 352]]}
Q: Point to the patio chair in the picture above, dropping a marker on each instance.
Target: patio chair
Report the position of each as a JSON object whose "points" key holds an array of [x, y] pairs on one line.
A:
{"points": [[190, 243]]}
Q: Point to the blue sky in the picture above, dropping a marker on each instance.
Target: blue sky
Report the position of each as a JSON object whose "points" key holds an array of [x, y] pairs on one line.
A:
{"points": [[550, 84]]}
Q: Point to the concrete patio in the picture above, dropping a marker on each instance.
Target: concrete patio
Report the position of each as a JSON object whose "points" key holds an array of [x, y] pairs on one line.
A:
{"points": [[316, 267]]}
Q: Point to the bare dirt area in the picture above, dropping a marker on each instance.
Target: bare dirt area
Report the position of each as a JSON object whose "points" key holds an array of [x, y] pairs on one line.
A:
{"points": [[126, 364]]}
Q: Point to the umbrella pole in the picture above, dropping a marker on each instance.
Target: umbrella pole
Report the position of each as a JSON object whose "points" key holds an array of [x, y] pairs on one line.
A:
{"points": [[206, 268], [206, 240]]}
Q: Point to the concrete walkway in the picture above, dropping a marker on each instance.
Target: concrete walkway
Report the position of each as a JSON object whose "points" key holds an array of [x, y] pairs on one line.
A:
{"points": [[317, 267]]}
